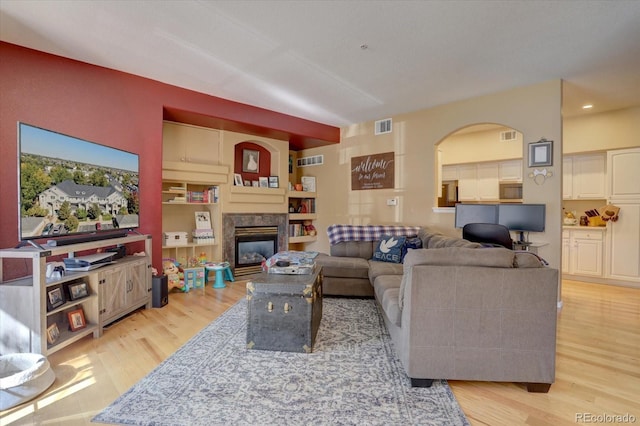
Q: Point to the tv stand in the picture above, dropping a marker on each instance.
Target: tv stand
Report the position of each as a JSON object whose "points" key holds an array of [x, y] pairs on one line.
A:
{"points": [[31, 305]]}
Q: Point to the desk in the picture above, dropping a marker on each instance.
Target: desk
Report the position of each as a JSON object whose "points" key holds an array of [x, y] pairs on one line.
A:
{"points": [[532, 247]]}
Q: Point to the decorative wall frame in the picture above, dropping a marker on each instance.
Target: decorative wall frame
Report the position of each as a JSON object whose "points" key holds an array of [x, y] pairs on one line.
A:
{"points": [[250, 161], [541, 153]]}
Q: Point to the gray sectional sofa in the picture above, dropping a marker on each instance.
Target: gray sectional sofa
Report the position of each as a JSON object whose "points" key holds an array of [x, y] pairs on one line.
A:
{"points": [[457, 310]]}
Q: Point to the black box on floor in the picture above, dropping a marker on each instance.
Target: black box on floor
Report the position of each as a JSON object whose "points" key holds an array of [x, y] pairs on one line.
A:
{"points": [[284, 311], [159, 291]]}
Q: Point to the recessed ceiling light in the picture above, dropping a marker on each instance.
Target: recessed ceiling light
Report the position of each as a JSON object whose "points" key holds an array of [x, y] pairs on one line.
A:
{"points": [[587, 106]]}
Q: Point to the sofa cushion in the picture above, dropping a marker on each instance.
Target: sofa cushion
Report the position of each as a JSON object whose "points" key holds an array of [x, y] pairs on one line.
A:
{"points": [[431, 239], [384, 283], [347, 267], [525, 259], [391, 307], [389, 249], [361, 249], [495, 257], [383, 268]]}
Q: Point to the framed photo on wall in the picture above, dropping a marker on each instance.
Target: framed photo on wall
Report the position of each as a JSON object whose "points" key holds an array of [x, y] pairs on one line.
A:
{"points": [[541, 153], [250, 161], [76, 319]]}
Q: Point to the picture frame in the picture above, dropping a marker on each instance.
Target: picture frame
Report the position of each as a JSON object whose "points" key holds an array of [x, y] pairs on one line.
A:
{"points": [[541, 153], [78, 290], [76, 319], [55, 297], [274, 182], [264, 182], [247, 183], [53, 333], [308, 183], [203, 220], [250, 161], [237, 179], [255, 183]]}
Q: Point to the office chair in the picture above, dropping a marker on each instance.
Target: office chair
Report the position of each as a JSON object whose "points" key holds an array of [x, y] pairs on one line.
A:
{"points": [[491, 234]]}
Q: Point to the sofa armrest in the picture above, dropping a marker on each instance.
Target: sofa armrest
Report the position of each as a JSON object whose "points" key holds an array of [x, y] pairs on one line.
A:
{"points": [[480, 323]]}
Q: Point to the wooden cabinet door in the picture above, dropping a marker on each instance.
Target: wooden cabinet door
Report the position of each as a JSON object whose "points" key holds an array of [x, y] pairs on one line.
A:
{"points": [[488, 186], [567, 178], [623, 249], [566, 252], [113, 294], [137, 283], [510, 171], [623, 168], [589, 176], [586, 255], [467, 182]]}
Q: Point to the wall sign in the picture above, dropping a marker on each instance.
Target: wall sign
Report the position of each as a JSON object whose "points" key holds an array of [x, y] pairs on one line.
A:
{"points": [[373, 171]]}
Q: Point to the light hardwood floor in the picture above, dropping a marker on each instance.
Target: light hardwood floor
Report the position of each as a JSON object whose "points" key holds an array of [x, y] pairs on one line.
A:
{"points": [[598, 362]]}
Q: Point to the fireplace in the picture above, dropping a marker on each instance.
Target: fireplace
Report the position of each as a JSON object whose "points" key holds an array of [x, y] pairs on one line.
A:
{"points": [[247, 236], [253, 245]]}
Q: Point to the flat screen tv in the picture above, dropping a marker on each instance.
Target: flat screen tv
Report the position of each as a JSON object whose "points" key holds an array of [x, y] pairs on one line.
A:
{"points": [[72, 187]]}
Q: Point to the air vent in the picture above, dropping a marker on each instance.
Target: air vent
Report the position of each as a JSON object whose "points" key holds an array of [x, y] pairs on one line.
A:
{"points": [[314, 160], [509, 135], [383, 126]]}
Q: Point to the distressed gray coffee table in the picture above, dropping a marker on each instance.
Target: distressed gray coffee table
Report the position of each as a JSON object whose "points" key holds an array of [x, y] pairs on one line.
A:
{"points": [[284, 311]]}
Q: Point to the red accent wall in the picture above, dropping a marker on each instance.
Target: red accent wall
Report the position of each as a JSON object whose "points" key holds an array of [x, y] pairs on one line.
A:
{"points": [[115, 109]]}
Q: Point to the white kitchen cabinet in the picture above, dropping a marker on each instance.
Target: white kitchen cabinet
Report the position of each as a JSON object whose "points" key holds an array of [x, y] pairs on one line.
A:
{"points": [[623, 243], [582, 252], [567, 178], [450, 172], [566, 251], [587, 179], [487, 182], [624, 174], [510, 171], [467, 182]]}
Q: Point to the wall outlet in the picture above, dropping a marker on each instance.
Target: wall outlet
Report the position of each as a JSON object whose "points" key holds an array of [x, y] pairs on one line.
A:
{"points": [[392, 201]]}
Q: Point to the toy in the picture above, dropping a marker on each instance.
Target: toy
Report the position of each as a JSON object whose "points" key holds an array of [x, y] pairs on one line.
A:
{"points": [[175, 277], [309, 229]]}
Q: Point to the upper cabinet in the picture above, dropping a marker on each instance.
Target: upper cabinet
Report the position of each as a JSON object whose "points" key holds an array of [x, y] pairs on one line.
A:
{"points": [[510, 171], [584, 177], [190, 144], [488, 185], [624, 174]]}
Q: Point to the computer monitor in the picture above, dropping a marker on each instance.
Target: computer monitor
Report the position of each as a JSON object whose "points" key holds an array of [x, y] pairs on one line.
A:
{"points": [[475, 213], [522, 217]]}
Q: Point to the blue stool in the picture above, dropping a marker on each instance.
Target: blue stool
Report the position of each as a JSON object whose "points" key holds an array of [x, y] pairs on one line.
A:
{"points": [[221, 268]]}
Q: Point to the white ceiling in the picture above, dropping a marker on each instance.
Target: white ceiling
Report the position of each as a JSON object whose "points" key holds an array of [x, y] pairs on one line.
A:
{"points": [[304, 58]]}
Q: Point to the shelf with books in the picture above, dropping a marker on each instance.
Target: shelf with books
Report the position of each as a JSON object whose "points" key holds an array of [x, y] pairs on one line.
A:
{"points": [[190, 216], [302, 213]]}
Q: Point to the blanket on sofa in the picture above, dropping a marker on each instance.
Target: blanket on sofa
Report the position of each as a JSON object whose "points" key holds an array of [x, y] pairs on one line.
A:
{"points": [[340, 233]]}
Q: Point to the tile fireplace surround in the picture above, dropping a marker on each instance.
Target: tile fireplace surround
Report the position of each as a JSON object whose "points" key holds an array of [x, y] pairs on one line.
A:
{"points": [[232, 220]]}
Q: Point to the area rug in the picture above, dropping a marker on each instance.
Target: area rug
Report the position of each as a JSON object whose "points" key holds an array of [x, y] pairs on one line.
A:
{"points": [[352, 377]]}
